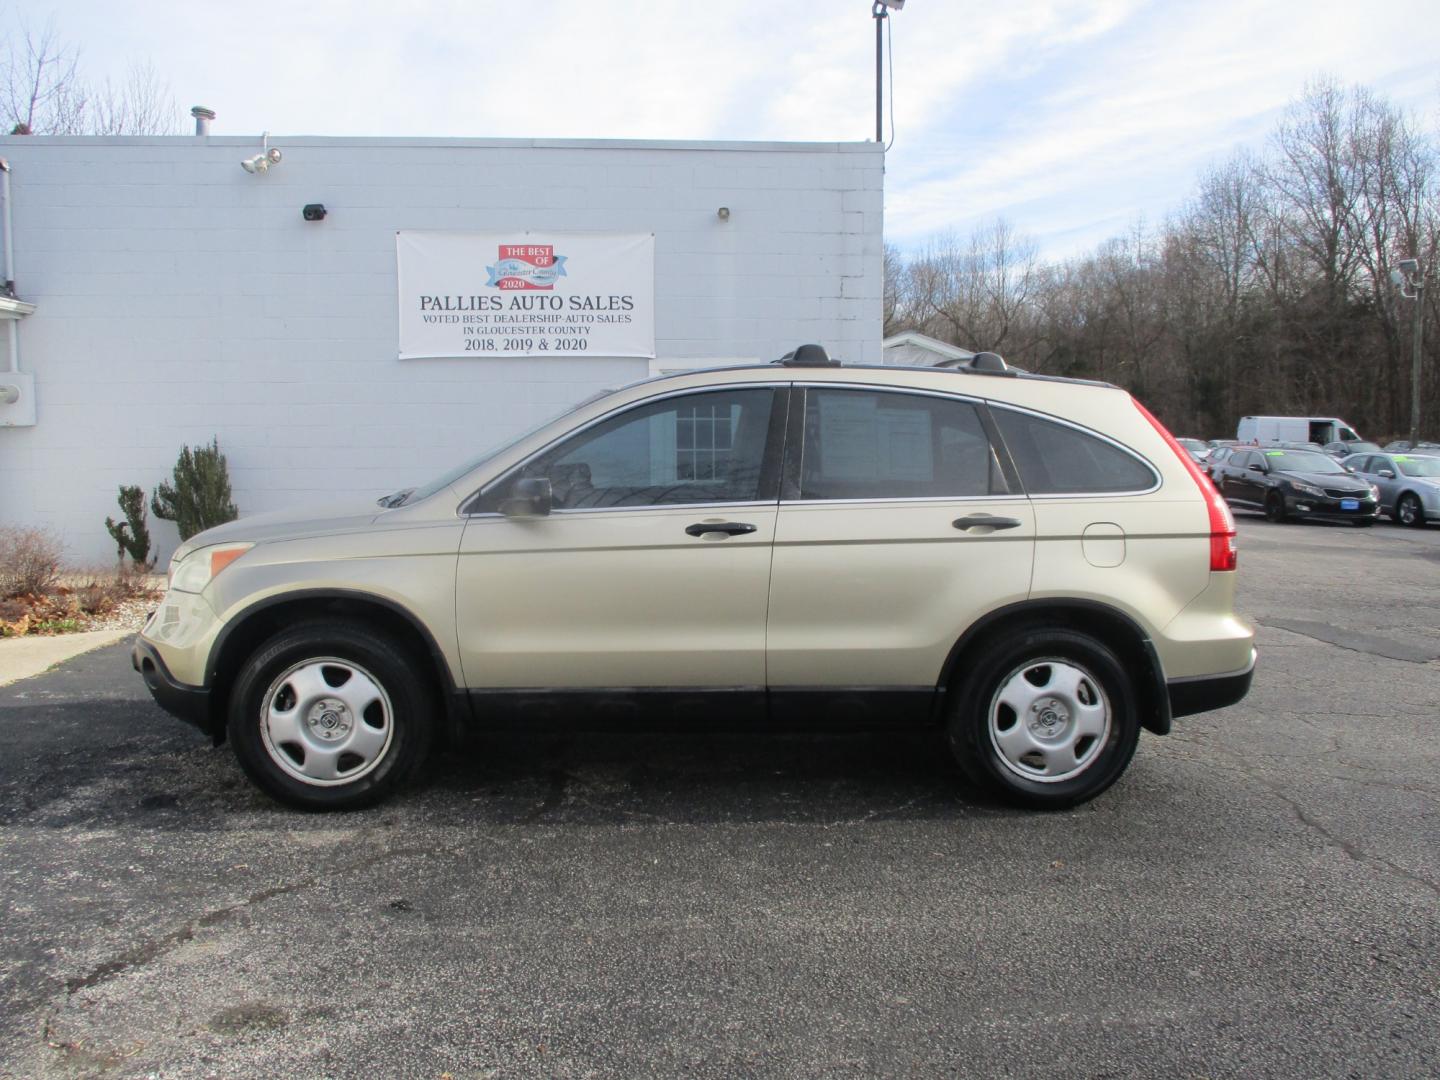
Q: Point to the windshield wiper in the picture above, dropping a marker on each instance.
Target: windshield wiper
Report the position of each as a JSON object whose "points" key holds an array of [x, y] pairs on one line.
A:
{"points": [[389, 502]]}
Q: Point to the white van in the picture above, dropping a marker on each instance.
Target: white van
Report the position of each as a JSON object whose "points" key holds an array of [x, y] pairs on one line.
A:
{"points": [[1266, 430]]}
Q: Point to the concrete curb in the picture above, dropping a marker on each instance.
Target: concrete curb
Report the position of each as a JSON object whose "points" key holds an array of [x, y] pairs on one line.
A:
{"points": [[22, 657]]}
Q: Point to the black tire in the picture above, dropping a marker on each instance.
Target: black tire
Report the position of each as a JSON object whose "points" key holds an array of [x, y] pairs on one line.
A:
{"points": [[1409, 511], [1275, 508], [401, 716], [976, 748]]}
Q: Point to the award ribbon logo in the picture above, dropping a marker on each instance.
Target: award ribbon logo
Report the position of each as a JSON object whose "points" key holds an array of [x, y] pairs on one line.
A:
{"points": [[526, 266]]}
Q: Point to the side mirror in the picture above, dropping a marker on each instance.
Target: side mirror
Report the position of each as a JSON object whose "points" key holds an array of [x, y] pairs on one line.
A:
{"points": [[1255, 466], [529, 497], [1388, 474]]}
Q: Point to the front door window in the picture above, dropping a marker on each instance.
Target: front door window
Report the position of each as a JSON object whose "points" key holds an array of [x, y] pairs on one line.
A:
{"points": [[695, 449]]}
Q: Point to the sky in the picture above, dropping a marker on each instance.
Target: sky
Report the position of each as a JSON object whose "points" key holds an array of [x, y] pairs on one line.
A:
{"points": [[1072, 119]]}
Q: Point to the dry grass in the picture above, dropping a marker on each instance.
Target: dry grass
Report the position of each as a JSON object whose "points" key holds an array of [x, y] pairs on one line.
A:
{"points": [[96, 599]]}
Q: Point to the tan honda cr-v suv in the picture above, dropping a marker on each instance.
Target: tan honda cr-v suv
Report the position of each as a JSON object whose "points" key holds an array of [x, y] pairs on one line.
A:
{"points": [[1031, 563]]}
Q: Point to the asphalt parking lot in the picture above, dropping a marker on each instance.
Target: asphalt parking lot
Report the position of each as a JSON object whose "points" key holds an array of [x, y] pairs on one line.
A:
{"points": [[1260, 896]]}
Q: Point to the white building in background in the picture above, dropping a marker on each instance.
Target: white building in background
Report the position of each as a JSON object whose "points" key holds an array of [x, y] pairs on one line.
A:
{"points": [[915, 349], [179, 297]]}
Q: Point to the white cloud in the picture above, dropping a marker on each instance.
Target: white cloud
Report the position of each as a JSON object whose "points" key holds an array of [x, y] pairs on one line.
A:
{"points": [[1120, 126], [1064, 115]]}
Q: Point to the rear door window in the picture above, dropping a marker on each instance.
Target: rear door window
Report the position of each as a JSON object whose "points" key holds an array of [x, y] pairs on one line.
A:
{"points": [[878, 444], [1057, 459]]}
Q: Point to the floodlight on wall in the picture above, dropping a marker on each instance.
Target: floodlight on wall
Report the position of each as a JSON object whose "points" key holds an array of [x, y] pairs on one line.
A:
{"points": [[261, 163]]}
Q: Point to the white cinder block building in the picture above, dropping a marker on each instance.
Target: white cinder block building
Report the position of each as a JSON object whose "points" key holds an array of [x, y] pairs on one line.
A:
{"points": [[177, 297]]}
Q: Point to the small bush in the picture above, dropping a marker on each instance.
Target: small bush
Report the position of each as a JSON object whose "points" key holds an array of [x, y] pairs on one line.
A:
{"points": [[131, 536], [29, 561], [99, 592], [199, 499], [96, 599], [14, 618]]}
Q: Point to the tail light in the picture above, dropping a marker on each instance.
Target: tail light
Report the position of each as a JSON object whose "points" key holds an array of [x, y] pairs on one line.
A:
{"points": [[1223, 555]]}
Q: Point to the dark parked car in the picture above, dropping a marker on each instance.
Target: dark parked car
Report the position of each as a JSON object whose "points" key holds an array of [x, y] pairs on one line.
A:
{"points": [[1217, 456], [1291, 484], [1344, 449], [1409, 484]]}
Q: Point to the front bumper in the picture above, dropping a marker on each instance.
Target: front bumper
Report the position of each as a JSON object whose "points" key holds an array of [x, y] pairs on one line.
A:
{"points": [[1205, 692], [188, 703], [1325, 508]]}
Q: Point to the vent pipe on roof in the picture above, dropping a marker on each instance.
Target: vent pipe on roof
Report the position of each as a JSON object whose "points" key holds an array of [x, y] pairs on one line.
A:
{"points": [[202, 116]]}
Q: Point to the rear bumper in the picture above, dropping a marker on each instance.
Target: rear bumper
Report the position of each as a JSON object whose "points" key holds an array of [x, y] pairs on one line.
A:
{"points": [[1206, 692], [188, 703]]}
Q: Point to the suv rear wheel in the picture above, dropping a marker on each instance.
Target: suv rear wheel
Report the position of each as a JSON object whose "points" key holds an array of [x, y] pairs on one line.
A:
{"points": [[330, 715], [1047, 719]]}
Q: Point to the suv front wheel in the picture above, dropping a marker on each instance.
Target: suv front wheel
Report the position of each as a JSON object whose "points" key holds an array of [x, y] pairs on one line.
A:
{"points": [[1046, 718], [330, 715]]}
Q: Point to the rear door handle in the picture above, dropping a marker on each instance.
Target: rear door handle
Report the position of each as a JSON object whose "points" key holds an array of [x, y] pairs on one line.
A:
{"points": [[731, 528], [975, 521]]}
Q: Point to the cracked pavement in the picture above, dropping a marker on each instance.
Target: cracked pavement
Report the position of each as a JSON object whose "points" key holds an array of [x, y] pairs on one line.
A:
{"points": [[1259, 896]]}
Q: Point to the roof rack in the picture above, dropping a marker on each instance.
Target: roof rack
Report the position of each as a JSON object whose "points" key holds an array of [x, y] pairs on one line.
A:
{"points": [[807, 356], [985, 361]]}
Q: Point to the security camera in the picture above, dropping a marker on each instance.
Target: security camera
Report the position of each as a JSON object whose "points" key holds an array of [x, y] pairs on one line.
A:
{"points": [[261, 162], [313, 211], [1410, 266]]}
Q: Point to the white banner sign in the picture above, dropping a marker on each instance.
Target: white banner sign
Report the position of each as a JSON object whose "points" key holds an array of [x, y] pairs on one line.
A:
{"points": [[526, 294]]}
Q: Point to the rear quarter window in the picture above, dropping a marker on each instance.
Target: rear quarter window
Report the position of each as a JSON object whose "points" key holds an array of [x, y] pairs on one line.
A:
{"points": [[1057, 459]]}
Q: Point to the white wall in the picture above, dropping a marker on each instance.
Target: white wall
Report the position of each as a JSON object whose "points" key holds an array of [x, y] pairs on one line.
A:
{"points": [[181, 298]]}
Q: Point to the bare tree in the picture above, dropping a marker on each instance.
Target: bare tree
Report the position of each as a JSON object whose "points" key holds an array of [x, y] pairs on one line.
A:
{"points": [[974, 293], [43, 92], [894, 300], [1268, 292], [140, 104], [40, 89]]}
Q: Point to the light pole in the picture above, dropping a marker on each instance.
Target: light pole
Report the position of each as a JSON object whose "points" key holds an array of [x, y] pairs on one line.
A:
{"points": [[1409, 279], [881, 12]]}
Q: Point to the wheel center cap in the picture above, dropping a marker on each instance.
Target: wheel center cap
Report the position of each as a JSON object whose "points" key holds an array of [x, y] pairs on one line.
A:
{"points": [[328, 719], [1048, 718]]}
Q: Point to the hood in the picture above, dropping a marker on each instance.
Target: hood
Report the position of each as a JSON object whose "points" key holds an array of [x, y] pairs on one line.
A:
{"points": [[288, 524], [1337, 481]]}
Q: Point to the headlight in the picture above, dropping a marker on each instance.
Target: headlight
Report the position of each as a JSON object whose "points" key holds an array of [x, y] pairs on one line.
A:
{"points": [[1375, 492], [1305, 489], [192, 573]]}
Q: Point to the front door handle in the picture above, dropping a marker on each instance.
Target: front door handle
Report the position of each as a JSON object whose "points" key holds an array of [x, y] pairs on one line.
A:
{"points": [[730, 528], [976, 521]]}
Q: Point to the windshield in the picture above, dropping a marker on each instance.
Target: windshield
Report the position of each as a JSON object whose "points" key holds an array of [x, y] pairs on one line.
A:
{"points": [[1303, 461], [1419, 466], [424, 491], [1192, 444]]}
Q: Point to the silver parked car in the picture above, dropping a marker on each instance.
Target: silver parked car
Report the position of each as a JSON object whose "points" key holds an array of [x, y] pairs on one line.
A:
{"points": [[1409, 484]]}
